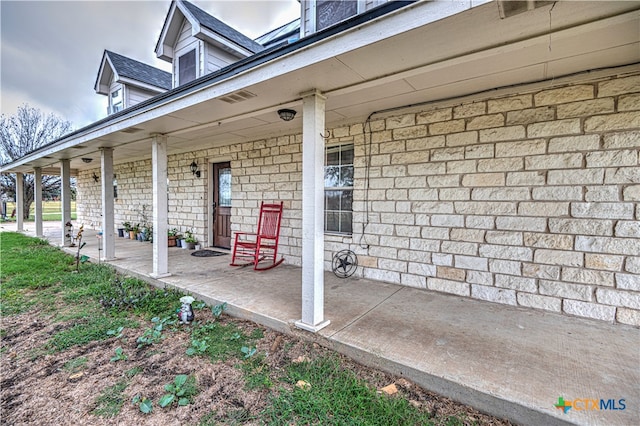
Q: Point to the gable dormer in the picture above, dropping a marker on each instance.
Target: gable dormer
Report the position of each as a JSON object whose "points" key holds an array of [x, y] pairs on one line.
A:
{"points": [[127, 82], [196, 43]]}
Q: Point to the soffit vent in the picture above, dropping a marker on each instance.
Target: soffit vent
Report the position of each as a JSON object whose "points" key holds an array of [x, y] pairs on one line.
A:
{"points": [[510, 8], [239, 96]]}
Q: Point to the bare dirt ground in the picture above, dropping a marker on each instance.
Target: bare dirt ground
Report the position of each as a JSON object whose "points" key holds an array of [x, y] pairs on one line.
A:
{"points": [[41, 389]]}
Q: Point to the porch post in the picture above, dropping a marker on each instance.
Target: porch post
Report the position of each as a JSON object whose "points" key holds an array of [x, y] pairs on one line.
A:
{"points": [[108, 237], [19, 201], [37, 195], [65, 192], [313, 117], [160, 204]]}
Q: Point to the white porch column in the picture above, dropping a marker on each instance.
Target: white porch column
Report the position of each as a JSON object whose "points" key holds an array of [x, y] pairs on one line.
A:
{"points": [[313, 117], [65, 192], [108, 236], [37, 199], [20, 202], [160, 204]]}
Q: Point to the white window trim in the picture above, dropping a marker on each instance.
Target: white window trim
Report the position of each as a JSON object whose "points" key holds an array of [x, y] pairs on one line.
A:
{"points": [[313, 12], [180, 54], [340, 188]]}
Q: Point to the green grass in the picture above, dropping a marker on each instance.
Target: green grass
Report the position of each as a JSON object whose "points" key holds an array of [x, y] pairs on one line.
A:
{"points": [[93, 328], [111, 399], [224, 340], [336, 396], [51, 210], [75, 365]]}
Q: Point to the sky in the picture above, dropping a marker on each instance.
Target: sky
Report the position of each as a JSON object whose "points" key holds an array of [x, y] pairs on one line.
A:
{"points": [[50, 51]]}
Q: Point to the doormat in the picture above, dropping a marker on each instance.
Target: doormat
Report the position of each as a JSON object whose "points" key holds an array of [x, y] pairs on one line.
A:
{"points": [[207, 253]]}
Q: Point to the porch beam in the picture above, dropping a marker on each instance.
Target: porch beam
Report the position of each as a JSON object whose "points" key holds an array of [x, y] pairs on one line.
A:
{"points": [[313, 119], [37, 199], [20, 201], [65, 192], [160, 205], [108, 235]]}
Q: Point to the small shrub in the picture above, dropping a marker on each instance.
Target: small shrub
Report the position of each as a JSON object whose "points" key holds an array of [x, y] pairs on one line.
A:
{"points": [[181, 390]]}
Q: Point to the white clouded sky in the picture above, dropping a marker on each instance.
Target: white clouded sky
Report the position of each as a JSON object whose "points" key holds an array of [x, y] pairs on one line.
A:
{"points": [[50, 51]]}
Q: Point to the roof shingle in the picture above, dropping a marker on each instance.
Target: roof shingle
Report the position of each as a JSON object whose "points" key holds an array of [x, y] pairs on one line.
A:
{"points": [[130, 68]]}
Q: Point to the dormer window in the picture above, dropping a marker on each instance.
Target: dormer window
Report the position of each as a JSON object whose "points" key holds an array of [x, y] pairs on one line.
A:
{"points": [[117, 101], [331, 12], [187, 67]]}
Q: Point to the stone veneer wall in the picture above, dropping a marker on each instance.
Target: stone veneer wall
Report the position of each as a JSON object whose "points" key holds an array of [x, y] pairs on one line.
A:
{"points": [[530, 199]]}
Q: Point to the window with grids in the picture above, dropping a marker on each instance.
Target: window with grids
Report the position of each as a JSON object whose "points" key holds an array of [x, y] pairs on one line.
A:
{"points": [[338, 189], [187, 67]]}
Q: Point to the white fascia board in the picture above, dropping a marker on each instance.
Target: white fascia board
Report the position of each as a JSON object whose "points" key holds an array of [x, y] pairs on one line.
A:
{"points": [[137, 83], [213, 38], [99, 87], [164, 51]]}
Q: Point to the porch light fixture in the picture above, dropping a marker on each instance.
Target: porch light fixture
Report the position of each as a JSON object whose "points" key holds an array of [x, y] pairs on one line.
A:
{"points": [[87, 160], [95, 177], [194, 168], [286, 114]]}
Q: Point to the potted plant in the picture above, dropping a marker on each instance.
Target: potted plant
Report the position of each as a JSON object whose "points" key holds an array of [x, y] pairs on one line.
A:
{"points": [[133, 231], [121, 231], [127, 229], [189, 241], [172, 236]]}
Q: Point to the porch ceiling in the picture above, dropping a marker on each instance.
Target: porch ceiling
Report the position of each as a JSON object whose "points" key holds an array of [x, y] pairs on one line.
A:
{"points": [[461, 54]]}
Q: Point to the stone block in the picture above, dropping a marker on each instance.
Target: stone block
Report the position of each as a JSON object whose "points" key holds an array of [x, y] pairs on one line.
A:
{"points": [[558, 193], [392, 147], [622, 140], [619, 86], [625, 299], [413, 132], [449, 273], [427, 169], [581, 226], [536, 178], [566, 290], [628, 316], [479, 151], [554, 128], [505, 252], [458, 247], [506, 164], [493, 294], [516, 283], [587, 276], [558, 257], [504, 238], [589, 310], [632, 265], [546, 272], [603, 261], [485, 207], [631, 193], [422, 269], [434, 116], [586, 108], [398, 121], [447, 154], [462, 166], [574, 143], [411, 182], [531, 115], [543, 209], [442, 259], [447, 220], [382, 275], [468, 235], [452, 194], [445, 127], [622, 175], [471, 262], [500, 134], [563, 95], [480, 222], [392, 265], [629, 102], [575, 177], [462, 139], [417, 194], [539, 302], [500, 194], [486, 122], [553, 161], [548, 241], [602, 193], [521, 223], [628, 282], [606, 245], [478, 277], [510, 104], [521, 148], [431, 142], [444, 181], [510, 267], [432, 233], [448, 286], [602, 210], [612, 158], [483, 179], [469, 110], [629, 229], [393, 171], [414, 281], [609, 122], [423, 244]]}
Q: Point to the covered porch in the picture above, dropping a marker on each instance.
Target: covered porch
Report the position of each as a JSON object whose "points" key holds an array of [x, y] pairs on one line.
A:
{"points": [[504, 360]]}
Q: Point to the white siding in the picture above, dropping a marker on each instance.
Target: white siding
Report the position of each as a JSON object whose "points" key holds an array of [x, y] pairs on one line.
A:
{"points": [[184, 44], [217, 58], [135, 95]]}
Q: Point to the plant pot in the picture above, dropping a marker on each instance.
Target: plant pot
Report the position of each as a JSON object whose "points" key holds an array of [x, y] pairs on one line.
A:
{"points": [[121, 232], [198, 246], [190, 246], [132, 235], [171, 241], [184, 244], [126, 235]]}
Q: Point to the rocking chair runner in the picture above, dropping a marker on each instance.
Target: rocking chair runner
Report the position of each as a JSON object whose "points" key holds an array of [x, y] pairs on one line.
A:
{"points": [[261, 247]]}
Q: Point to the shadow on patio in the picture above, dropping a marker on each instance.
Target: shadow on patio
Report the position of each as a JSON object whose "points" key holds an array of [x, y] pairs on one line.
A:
{"points": [[507, 361]]}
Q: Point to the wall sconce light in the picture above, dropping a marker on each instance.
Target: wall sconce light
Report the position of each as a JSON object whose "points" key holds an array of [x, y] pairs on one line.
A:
{"points": [[194, 168], [87, 160], [286, 114], [95, 177]]}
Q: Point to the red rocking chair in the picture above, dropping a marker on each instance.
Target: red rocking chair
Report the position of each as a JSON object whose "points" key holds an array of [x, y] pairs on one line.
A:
{"points": [[261, 247]]}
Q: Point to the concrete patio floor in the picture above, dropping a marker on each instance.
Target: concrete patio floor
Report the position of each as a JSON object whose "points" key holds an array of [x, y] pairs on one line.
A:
{"points": [[507, 361]]}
